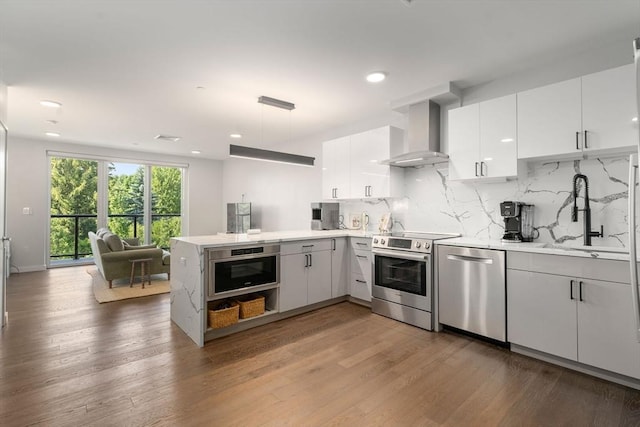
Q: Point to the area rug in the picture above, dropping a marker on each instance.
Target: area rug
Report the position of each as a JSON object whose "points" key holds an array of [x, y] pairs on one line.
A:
{"points": [[121, 289]]}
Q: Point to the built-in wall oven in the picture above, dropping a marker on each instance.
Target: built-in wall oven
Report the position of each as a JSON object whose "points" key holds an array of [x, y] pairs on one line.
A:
{"points": [[236, 270], [403, 277]]}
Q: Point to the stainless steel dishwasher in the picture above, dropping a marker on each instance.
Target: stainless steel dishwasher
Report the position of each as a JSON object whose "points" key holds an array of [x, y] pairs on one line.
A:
{"points": [[472, 290]]}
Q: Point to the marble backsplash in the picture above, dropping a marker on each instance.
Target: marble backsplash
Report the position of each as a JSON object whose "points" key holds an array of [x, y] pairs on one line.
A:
{"points": [[433, 203]]}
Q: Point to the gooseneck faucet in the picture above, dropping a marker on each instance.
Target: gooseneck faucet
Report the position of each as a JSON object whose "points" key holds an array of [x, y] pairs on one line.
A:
{"points": [[588, 234]]}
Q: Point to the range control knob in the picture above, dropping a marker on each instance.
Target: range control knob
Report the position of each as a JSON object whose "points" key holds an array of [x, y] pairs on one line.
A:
{"points": [[375, 240], [427, 245], [418, 245], [382, 241]]}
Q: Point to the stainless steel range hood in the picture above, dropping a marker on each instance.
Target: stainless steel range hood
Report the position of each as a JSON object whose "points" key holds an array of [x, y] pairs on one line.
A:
{"points": [[422, 145]]}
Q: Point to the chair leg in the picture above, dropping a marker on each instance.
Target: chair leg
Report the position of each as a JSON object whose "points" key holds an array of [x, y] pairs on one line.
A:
{"points": [[110, 284], [168, 276], [133, 271]]}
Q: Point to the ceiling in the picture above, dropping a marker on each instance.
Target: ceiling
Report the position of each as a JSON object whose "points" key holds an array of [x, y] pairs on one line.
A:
{"points": [[126, 71]]}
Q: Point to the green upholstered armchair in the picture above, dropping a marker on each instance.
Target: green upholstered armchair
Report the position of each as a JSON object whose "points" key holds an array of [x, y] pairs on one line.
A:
{"points": [[113, 255]]}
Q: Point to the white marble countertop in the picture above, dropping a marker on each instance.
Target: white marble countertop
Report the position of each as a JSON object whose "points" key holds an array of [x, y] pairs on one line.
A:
{"points": [[603, 252], [224, 239]]}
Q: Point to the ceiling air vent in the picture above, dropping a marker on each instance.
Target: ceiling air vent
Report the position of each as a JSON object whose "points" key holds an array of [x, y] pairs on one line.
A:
{"points": [[167, 138]]}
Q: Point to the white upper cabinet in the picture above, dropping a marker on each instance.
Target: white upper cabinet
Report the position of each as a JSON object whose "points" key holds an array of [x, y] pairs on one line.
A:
{"points": [[608, 109], [483, 140], [351, 168], [498, 138], [464, 142], [549, 120], [335, 168], [587, 115]]}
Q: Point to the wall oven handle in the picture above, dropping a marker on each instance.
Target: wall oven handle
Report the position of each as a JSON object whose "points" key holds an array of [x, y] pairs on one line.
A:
{"points": [[401, 255], [466, 258]]}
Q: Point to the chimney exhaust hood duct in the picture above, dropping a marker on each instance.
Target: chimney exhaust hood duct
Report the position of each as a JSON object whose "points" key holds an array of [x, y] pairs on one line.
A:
{"points": [[422, 145]]}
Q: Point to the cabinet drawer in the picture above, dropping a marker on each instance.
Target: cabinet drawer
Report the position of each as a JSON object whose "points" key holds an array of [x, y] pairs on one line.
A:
{"points": [[361, 263], [360, 287], [565, 265], [360, 243], [304, 246]]}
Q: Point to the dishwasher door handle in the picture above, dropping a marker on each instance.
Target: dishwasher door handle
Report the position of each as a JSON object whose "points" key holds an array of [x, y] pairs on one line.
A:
{"points": [[470, 259]]}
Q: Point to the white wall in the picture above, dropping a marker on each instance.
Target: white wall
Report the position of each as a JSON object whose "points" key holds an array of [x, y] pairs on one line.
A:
{"points": [[281, 194], [3, 102], [27, 186]]}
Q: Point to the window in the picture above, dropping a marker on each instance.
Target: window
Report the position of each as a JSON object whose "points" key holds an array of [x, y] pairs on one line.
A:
{"points": [[131, 199]]}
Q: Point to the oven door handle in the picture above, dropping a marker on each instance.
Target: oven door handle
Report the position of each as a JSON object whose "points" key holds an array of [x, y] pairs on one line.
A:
{"points": [[401, 255]]}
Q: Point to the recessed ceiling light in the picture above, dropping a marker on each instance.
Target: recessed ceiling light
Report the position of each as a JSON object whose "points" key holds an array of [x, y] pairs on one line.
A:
{"points": [[376, 76], [235, 136], [635, 119], [200, 87], [50, 104], [52, 122], [55, 134], [195, 151], [506, 140]]}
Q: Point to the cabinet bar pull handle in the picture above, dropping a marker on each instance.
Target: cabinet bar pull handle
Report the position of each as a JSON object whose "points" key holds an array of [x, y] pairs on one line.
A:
{"points": [[307, 246], [360, 281], [586, 145], [577, 140], [361, 244], [306, 261], [571, 289], [580, 290], [361, 256], [310, 260], [333, 242], [483, 166], [476, 168]]}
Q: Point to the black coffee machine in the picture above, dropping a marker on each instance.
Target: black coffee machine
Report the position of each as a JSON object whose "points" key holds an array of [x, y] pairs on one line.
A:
{"points": [[518, 221]]}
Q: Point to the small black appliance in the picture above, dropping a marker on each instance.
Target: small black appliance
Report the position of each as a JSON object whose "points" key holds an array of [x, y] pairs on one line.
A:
{"points": [[518, 221]]}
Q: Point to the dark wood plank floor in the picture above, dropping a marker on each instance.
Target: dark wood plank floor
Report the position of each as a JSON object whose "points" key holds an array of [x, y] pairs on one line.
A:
{"points": [[67, 360]]}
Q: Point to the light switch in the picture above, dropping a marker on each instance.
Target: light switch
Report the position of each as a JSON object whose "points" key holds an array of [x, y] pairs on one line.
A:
{"points": [[26, 211]]}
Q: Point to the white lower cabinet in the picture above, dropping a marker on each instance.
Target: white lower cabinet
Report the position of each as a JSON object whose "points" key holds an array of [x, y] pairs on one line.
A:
{"points": [[361, 266], [305, 273], [606, 332], [339, 267], [540, 313], [585, 320]]}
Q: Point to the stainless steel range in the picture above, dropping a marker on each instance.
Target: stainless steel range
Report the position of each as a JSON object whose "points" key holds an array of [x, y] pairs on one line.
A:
{"points": [[403, 277]]}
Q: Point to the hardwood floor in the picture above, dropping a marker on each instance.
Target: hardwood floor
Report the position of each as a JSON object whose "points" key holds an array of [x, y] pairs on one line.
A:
{"points": [[67, 360]]}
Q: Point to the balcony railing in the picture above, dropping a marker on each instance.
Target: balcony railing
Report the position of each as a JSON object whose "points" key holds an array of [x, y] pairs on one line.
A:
{"points": [[76, 255]]}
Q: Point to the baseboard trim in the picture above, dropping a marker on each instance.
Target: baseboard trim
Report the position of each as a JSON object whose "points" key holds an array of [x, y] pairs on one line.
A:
{"points": [[28, 268], [576, 366]]}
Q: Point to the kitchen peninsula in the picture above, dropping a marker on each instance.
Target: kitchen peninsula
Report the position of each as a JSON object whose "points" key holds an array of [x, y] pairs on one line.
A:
{"points": [[296, 288]]}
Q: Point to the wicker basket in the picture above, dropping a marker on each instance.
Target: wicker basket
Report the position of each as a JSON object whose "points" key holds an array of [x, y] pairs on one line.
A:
{"points": [[220, 318], [251, 306]]}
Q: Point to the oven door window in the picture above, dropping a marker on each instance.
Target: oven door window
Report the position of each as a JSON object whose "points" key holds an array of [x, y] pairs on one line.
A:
{"points": [[231, 275], [401, 274]]}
